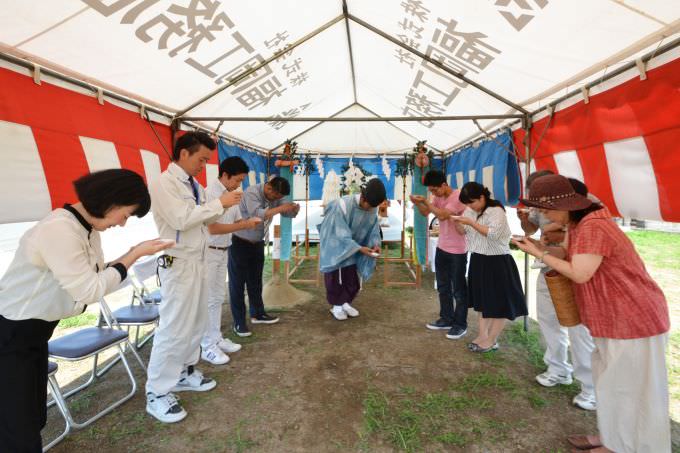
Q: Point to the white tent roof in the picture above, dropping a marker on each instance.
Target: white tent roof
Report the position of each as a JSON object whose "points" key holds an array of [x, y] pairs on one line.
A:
{"points": [[350, 59]]}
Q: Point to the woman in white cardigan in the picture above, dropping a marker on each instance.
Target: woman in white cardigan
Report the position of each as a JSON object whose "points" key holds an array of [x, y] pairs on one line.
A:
{"points": [[56, 272]]}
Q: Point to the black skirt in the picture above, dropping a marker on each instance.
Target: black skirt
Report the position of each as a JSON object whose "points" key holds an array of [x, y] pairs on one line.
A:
{"points": [[494, 287]]}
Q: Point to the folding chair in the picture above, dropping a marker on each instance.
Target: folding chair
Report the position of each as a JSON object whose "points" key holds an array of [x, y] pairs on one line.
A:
{"points": [[58, 398], [142, 271], [136, 316], [90, 342]]}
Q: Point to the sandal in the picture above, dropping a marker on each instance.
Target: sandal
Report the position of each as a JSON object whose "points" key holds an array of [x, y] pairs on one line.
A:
{"points": [[584, 442], [474, 347]]}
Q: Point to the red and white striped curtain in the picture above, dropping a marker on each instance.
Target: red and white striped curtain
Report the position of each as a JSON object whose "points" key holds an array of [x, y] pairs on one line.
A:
{"points": [[624, 144], [50, 136]]}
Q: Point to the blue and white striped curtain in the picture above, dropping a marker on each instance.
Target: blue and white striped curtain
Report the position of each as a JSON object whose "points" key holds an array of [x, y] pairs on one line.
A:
{"points": [[489, 163]]}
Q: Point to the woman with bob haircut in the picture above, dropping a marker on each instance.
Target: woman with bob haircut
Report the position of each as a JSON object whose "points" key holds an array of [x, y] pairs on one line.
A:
{"points": [[57, 271], [494, 287], [626, 313]]}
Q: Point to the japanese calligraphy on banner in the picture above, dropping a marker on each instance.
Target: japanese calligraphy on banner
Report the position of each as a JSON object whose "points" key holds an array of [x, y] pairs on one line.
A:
{"points": [[464, 51], [205, 38], [290, 113], [433, 90], [518, 13]]}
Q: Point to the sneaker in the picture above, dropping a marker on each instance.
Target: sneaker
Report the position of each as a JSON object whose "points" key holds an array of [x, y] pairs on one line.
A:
{"points": [[241, 331], [192, 380], [351, 311], [165, 408], [538, 264], [549, 380], [338, 313], [439, 324], [214, 355], [264, 319], [229, 346], [585, 402], [456, 333]]}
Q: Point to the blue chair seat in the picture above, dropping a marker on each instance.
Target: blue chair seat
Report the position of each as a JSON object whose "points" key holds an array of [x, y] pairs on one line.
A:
{"points": [[154, 297], [85, 342], [51, 368], [136, 314]]}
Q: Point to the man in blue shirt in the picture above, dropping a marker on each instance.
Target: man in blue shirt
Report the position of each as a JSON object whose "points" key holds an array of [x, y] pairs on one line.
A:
{"points": [[246, 254]]}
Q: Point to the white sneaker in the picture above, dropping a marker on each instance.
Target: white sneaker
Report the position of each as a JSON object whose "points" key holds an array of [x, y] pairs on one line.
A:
{"points": [[351, 311], [585, 402], [338, 313], [165, 408], [538, 264], [192, 380], [229, 346], [549, 380], [214, 355]]}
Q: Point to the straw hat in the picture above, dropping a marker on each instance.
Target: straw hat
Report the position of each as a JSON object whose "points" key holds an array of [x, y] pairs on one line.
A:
{"points": [[555, 192]]}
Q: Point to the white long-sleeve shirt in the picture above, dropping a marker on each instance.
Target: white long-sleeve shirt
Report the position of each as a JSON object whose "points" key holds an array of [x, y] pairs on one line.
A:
{"points": [[231, 215], [58, 269], [497, 241], [177, 214]]}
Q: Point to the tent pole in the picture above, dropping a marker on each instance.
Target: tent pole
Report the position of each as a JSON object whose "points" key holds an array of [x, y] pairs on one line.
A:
{"points": [[306, 214], [256, 68], [526, 125], [345, 14], [645, 58], [310, 128], [360, 119], [403, 213], [439, 64]]}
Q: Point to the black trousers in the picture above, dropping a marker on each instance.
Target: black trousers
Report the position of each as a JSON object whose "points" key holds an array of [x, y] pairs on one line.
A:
{"points": [[23, 383], [245, 266]]}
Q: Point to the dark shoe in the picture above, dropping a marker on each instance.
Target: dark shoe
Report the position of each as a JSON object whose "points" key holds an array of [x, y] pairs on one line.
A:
{"points": [[241, 331], [456, 332], [439, 324], [264, 319]]}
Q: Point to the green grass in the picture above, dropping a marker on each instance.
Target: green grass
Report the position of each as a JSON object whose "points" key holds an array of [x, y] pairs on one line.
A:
{"points": [[529, 341], [410, 420], [656, 248], [85, 319]]}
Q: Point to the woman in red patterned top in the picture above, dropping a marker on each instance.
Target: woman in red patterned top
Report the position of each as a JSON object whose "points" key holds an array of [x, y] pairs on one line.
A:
{"points": [[626, 313]]}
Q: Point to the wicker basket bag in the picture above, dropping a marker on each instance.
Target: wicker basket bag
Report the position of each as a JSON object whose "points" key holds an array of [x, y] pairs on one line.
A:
{"points": [[562, 295]]}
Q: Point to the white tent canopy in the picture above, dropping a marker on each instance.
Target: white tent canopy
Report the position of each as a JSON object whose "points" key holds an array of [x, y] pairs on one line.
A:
{"points": [[408, 58]]}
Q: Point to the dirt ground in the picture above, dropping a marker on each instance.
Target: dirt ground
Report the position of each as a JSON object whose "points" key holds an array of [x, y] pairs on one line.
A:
{"points": [[379, 382]]}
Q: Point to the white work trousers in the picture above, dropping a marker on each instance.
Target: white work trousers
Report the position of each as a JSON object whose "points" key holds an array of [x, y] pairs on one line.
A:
{"points": [[183, 314], [558, 338], [216, 261], [631, 384]]}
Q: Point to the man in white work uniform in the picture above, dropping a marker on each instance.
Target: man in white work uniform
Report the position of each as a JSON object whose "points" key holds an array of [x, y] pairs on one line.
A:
{"points": [[232, 172], [181, 214]]}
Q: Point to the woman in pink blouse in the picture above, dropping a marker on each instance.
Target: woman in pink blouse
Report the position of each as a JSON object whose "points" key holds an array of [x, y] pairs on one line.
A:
{"points": [[626, 313]]}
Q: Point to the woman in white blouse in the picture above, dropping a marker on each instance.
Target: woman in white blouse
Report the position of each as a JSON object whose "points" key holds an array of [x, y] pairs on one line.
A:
{"points": [[494, 287], [58, 270]]}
